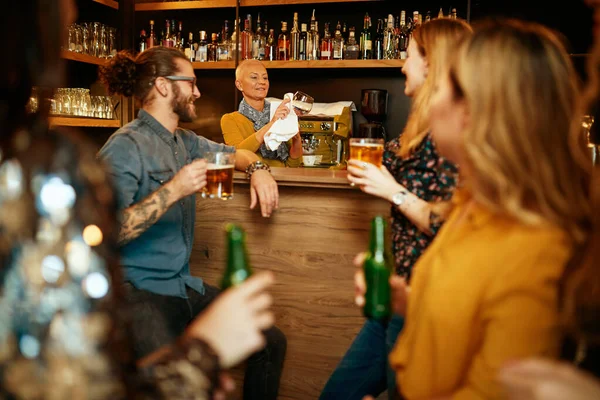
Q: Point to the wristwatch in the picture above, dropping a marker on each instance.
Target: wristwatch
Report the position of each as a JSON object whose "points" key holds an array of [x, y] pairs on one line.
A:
{"points": [[255, 166], [399, 198]]}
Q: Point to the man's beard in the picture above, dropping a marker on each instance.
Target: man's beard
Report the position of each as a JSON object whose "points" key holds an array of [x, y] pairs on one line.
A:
{"points": [[181, 106]]}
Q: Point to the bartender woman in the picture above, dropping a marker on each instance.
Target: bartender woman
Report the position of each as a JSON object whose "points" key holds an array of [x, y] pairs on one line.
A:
{"points": [[246, 128]]}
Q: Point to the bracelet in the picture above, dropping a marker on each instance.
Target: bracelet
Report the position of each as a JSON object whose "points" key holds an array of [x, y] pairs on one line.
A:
{"points": [[255, 166]]}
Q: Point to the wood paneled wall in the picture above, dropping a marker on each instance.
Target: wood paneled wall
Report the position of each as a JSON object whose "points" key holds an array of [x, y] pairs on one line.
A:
{"points": [[309, 244]]}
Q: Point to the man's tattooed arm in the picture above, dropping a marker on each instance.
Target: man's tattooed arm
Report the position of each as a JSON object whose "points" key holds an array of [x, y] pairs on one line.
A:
{"points": [[136, 219]]}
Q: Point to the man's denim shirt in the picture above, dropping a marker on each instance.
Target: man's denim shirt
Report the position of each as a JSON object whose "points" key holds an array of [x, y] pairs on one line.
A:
{"points": [[141, 157]]}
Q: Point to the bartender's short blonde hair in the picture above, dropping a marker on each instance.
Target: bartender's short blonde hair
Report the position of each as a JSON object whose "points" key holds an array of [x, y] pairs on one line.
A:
{"points": [[241, 68]]}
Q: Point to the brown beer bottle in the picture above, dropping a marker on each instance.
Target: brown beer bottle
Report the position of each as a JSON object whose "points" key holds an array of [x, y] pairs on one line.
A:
{"points": [[378, 267], [238, 267]]}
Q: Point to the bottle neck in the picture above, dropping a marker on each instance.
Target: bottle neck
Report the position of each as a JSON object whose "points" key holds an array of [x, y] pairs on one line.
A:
{"points": [[377, 241]]}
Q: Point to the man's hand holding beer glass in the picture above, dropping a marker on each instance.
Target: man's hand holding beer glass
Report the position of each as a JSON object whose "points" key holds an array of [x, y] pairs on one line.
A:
{"points": [[189, 180], [400, 290]]}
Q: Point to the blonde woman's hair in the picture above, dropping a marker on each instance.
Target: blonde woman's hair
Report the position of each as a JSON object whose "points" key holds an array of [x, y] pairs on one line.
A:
{"points": [[436, 40], [522, 156]]}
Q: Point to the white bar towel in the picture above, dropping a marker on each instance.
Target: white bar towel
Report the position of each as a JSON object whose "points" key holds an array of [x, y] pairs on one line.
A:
{"points": [[283, 129]]}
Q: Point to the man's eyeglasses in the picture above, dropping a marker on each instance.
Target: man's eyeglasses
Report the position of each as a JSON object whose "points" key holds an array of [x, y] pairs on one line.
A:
{"points": [[182, 78]]}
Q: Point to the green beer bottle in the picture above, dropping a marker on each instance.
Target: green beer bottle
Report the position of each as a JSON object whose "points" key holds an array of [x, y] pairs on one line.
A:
{"points": [[378, 267], [238, 268]]}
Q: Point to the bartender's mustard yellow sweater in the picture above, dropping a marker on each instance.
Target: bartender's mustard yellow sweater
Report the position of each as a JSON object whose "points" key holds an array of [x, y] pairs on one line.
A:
{"points": [[239, 131]]}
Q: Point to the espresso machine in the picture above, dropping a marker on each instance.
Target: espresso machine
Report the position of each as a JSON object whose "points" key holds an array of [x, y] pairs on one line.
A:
{"points": [[327, 137], [373, 106]]}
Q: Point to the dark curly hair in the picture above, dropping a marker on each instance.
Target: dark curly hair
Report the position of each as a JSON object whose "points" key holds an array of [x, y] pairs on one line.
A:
{"points": [[129, 75]]}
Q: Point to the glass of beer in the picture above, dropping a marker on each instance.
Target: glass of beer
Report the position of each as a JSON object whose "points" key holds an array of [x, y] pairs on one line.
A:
{"points": [[367, 149], [219, 176]]}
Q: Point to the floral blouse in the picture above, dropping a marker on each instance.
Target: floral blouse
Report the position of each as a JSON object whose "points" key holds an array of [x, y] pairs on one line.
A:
{"points": [[430, 177]]}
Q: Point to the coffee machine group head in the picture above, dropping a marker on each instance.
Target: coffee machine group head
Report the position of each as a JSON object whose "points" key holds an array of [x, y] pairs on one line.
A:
{"points": [[373, 107]]}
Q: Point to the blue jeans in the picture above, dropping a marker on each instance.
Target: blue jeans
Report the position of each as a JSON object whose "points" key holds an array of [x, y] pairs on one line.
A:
{"points": [[365, 369]]}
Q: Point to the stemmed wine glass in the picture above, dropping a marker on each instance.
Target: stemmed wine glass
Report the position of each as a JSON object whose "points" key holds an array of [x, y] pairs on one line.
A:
{"points": [[302, 103]]}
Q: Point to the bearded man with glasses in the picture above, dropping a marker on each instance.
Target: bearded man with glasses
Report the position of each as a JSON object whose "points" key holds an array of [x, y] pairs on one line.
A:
{"points": [[158, 168]]}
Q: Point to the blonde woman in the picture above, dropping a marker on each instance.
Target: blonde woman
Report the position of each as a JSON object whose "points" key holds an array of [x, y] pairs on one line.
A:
{"points": [[413, 175], [486, 291]]}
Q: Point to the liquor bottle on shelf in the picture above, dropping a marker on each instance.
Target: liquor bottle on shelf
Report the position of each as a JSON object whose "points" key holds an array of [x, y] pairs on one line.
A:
{"points": [[190, 50], [326, 44], [174, 34], [224, 50], [338, 43], [453, 14], [366, 44], [403, 37], [179, 42], [213, 48], [295, 39], [283, 43], [352, 51], [142, 44], [234, 45], [246, 37], [378, 52], [428, 16], [202, 52], [313, 42], [271, 47], [167, 39], [441, 13], [303, 42], [151, 40], [389, 52], [259, 42]]}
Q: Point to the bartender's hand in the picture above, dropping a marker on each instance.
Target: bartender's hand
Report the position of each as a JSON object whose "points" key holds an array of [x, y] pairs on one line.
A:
{"points": [[537, 379], [400, 289], [282, 111], [372, 180], [264, 189], [296, 149]]}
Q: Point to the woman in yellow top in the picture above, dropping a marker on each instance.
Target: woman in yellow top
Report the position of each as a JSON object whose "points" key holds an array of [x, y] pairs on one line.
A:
{"points": [[486, 291], [247, 127]]}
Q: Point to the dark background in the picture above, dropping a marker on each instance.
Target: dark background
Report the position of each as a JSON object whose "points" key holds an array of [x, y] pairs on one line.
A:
{"points": [[572, 19]]}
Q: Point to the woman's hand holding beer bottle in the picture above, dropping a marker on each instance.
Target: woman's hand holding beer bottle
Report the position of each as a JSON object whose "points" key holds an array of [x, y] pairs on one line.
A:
{"points": [[232, 325], [399, 289], [189, 180]]}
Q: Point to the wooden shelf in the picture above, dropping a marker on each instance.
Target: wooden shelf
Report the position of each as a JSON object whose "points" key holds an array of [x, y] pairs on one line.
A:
{"points": [[109, 3], [188, 5], [85, 122], [253, 3], [334, 64], [214, 65], [184, 5], [84, 58]]}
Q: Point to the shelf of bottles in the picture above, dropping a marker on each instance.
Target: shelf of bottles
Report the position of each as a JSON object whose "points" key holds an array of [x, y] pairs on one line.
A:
{"points": [[84, 122], [190, 5], [300, 47], [109, 3], [323, 64], [84, 58]]}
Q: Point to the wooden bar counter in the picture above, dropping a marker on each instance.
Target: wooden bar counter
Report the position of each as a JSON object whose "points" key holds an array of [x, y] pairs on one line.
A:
{"points": [[309, 243]]}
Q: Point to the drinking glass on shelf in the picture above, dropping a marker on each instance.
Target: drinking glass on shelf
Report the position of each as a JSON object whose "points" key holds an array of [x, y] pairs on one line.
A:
{"points": [[302, 103]]}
